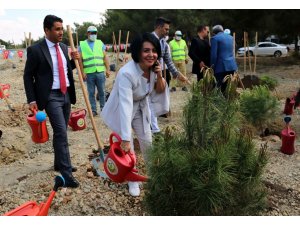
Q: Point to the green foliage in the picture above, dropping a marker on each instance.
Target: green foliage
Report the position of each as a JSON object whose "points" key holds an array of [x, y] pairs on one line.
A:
{"points": [[212, 168], [258, 105], [269, 82]]}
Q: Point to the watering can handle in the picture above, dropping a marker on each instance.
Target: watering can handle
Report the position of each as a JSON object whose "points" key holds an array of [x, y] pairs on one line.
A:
{"points": [[34, 111], [113, 134], [78, 110]]}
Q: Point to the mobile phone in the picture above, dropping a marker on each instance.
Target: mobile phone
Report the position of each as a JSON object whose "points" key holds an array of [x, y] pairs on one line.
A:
{"points": [[154, 65]]}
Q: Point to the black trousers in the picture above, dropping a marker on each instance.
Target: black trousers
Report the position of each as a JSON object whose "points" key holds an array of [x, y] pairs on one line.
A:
{"points": [[199, 76], [168, 76], [220, 77], [58, 110]]}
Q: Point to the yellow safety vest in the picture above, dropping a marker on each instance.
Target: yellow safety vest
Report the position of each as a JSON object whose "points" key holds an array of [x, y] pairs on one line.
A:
{"points": [[92, 60], [178, 50]]}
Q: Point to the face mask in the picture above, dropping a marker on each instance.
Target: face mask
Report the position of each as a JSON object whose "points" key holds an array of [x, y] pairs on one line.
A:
{"points": [[177, 38], [93, 37]]}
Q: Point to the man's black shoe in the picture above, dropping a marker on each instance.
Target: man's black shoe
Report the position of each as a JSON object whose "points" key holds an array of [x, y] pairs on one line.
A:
{"points": [[71, 182], [74, 169], [95, 113], [164, 115]]}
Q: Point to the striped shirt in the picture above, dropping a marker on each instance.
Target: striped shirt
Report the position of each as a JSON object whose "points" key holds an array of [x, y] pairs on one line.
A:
{"points": [[165, 54]]}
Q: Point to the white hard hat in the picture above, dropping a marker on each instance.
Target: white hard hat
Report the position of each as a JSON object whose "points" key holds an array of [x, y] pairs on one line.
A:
{"points": [[227, 31], [178, 33], [91, 29]]}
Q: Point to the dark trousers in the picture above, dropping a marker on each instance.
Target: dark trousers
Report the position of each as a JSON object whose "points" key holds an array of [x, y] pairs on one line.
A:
{"points": [[199, 75], [58, 110], [220, 77], [168, 76]]}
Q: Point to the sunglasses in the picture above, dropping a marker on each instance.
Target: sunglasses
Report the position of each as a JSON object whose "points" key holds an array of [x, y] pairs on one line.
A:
{"points": [[93, 32]]}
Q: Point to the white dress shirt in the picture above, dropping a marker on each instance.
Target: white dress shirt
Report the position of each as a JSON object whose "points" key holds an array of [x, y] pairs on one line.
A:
{"points": [[52, 50]]}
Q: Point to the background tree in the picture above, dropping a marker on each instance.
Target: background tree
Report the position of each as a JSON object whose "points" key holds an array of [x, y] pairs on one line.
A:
{"points": [[284, 23]]}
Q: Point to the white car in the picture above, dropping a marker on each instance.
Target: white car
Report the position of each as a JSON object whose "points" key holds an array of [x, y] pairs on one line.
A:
{"points": [[264, 49]]}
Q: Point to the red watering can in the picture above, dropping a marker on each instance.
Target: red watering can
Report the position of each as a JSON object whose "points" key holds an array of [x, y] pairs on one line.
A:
{"points": [[289, 106], [32, 208], [37, 123], [5, 54], [5, 90], [77, 120], [119, 165], [288, 138]]}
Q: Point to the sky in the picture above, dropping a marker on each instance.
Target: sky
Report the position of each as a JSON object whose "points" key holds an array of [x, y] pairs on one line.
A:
{"points": [[14, 22], [19, 16]]}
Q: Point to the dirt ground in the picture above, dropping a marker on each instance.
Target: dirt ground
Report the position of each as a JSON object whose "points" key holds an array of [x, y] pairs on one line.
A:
{"points": [[27, 168]]}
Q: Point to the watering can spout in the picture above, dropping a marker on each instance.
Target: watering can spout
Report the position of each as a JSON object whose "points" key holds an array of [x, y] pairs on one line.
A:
{"points": [[131, 176]]}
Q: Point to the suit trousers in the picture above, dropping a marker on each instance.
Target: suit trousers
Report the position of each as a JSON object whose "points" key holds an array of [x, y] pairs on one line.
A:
{"points": [[58, 110], [199, 75], [144, 138]]}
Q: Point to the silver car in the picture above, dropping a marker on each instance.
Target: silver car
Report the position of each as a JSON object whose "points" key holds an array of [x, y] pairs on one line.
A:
{"points": [[264, 49]]}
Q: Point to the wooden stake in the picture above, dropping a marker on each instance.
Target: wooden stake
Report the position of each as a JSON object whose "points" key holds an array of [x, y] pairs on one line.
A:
{"points": [[29, 39], [240, 81], [76, 39], [87, 102], [249, 56], [114, 42], [244, 53], [209, 35], [234, 45], [119, 44], [126, 44], [25, 40], [254, 69]]}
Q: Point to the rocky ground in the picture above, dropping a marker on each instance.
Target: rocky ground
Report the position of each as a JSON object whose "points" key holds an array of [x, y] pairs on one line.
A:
{"points": [[27, 172]]}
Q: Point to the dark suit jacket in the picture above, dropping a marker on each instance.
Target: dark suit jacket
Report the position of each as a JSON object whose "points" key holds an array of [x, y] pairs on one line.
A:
{"points": [[199, 51], [38, 74], [222, 53]]}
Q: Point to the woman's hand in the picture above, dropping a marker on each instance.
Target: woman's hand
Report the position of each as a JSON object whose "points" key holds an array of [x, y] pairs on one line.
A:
{"points": [[183, 78], [157, 68]]}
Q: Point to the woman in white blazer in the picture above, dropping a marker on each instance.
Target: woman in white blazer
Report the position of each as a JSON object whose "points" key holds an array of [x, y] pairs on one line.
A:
{"points": [[138, 82]]}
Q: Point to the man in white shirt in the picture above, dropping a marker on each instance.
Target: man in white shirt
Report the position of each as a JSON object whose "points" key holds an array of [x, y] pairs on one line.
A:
{"points": [[49, 85]]}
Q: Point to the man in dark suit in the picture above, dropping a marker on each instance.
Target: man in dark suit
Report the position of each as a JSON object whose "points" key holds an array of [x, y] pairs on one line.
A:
{"points": [[200, 51], [49, 85], [222, 57]]}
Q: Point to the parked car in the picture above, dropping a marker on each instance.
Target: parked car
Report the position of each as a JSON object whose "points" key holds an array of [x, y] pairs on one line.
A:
{"points": [[264, 49]]}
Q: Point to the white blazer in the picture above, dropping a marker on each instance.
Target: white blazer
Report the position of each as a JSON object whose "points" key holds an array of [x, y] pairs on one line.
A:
{"points": [[130, 93]]}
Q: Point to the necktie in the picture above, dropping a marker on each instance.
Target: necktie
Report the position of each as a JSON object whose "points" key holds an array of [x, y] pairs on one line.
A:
{"points": [[62, 78]]}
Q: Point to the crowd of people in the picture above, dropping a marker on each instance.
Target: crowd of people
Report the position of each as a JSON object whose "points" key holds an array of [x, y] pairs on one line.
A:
{"points": [[141, 89]]}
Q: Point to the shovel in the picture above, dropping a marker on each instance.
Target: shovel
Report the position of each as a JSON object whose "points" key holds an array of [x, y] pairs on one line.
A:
{"points": [[87, 102]]}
